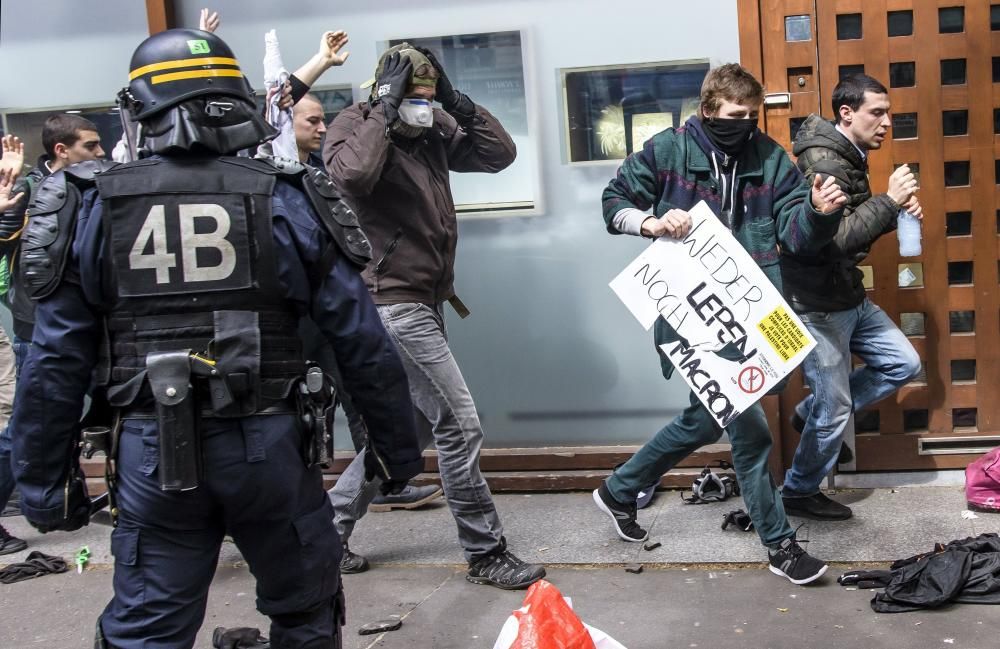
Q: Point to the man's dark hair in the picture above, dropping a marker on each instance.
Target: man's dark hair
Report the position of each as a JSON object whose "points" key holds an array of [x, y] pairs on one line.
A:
{"points": [[63, 128], [851, 92]]}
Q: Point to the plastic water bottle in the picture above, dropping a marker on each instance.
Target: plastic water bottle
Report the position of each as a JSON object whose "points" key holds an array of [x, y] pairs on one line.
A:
{"points": [[908, 233]]}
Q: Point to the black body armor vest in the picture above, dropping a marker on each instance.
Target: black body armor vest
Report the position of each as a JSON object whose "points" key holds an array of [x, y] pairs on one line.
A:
{"points": [[192, 267]]}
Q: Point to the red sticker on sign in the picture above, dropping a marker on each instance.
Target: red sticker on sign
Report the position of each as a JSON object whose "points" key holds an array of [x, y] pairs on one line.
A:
{"points": [[751, 379]]}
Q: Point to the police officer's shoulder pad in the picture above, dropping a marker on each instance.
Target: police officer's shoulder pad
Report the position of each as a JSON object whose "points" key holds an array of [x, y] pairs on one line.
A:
{"points": [[322, 182], [50, 195], [260, 165], [85, 171]]}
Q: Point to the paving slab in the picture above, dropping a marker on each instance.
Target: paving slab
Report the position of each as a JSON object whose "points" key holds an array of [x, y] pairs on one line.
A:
{"points": [[676, 608]]}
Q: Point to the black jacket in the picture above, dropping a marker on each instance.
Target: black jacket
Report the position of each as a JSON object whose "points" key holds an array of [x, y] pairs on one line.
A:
{"points": [[831, 280], [22, 308]]}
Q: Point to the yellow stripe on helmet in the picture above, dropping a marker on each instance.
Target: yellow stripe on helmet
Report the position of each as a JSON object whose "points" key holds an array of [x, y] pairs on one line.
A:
{"points": [[182, 63], [195, 74]]}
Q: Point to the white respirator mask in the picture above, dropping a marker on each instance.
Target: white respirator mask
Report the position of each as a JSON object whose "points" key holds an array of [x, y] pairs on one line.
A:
{"points": [[416, 112]]}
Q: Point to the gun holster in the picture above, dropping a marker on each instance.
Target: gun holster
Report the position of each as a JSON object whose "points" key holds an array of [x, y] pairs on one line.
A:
{"points": [[316, 397], [169, 376]]}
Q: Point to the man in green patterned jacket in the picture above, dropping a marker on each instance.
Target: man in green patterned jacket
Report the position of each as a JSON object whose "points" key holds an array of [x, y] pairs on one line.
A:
{"points": [[746, 178]]}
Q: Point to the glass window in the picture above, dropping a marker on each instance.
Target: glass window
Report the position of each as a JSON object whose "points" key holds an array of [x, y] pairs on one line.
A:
{"points": [[952, 72], [958, 224], [867, 421], [951, 20], [911, 275], [904, 126], [963, 418], [902, 75], [913, 324], [995, 17], [959, 273], [798, 28], [996, 120], [848, 27], [914, 420], [963, 369], [794, 124], [996, 171], [490, 67], [867, 277], [996, 69], [612, 110], [956, 174], [955, 122], [900, 23], [962, 322], [845, 71]]}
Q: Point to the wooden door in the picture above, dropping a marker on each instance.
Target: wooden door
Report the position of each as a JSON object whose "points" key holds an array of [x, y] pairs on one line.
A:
{"points": [[939, 59]]}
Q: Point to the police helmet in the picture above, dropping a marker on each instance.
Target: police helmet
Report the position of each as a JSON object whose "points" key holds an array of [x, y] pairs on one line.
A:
{"points": [[179, 64]]}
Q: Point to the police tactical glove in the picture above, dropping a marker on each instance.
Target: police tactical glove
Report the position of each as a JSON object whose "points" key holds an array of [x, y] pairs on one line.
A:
{"points": [[452, 101], [376, 466], [392, 84]]}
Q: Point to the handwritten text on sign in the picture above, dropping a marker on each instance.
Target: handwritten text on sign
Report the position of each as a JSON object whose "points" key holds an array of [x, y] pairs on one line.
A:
{"points": [[740, 338]]}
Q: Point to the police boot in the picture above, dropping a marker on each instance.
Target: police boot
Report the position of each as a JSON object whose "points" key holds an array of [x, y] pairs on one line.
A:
{"points": [[242, 637]]}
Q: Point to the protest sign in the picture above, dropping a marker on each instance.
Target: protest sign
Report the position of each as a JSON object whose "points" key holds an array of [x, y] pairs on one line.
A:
{"points": [[740, 337]]}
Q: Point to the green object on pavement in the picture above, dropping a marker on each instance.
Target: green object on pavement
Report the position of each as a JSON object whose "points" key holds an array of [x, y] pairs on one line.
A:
{"points": [[82, 557]]}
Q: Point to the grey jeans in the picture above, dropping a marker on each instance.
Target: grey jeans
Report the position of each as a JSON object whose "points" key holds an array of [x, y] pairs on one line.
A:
{"points": [[450, 421]]}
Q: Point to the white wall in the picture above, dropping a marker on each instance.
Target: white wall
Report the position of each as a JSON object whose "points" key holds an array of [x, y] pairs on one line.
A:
{"points": [[550, 354]]}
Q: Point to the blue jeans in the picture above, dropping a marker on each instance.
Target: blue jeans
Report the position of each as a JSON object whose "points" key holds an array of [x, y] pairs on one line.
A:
{"points": [[449, 420], [9, 369], [837, 391], [750, 438]]}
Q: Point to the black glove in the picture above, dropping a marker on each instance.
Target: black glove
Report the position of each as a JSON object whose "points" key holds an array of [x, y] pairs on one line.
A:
{"points": [[77, 506], [452, 101], [376, 466], [391, 86]]}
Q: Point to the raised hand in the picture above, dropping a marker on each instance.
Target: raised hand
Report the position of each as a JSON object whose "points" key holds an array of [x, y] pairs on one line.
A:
{"points": [[208, 22], [330, 44]]}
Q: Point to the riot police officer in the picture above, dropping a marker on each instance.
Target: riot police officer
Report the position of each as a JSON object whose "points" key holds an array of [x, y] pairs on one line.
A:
{"points": [[177, 281]]}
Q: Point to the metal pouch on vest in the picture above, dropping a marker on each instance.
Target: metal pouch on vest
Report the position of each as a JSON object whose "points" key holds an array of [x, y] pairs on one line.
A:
{"points": [[317, 398], [169, 375]]}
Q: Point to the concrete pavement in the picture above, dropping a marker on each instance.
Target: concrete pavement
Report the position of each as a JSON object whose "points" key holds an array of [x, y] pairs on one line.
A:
{"points": [[702, 588]]}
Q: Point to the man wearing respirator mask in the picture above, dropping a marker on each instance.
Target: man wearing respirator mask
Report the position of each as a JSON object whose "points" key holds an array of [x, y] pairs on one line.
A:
{"points": [[390, 158]]}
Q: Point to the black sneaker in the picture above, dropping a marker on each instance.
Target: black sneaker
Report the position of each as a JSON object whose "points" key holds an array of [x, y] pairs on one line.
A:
{"points": [[10, 544], [504, 570], [352, 564], [818, 507], [623, 516], [794, 563]]}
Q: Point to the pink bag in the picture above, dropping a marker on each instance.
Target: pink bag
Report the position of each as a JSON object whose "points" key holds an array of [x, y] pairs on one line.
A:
{"points": [[982, 483]]}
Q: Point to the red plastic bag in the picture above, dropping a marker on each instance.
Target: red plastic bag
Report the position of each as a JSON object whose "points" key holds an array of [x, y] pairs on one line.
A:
{"points": [[547, 622]]}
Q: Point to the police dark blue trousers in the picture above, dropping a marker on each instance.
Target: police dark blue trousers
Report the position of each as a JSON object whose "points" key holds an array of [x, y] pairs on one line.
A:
{"points": [[256, 488]]}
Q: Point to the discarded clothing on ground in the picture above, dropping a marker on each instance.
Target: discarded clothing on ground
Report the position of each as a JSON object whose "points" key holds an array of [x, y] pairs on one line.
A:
{"points": [[965, 571], [36, 565]]}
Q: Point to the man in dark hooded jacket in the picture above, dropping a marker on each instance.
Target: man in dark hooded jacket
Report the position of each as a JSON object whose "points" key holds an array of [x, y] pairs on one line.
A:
{"points": [[826, 291]]}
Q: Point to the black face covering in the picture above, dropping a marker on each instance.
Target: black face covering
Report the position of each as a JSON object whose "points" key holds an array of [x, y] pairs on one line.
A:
{"points": [[730, 135]]}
